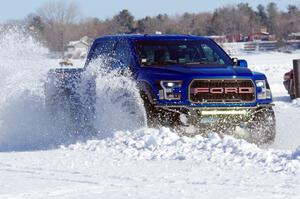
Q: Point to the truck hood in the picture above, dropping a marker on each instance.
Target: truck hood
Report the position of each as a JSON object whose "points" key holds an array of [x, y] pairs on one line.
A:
{"points": [[202, 71]]}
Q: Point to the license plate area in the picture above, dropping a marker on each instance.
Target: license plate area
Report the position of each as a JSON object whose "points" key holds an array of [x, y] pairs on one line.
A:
{"points": [[220, 116], [209, 120]]}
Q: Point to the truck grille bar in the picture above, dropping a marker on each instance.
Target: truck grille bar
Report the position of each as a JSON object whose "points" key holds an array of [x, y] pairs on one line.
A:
{"points": [[221, 91]]}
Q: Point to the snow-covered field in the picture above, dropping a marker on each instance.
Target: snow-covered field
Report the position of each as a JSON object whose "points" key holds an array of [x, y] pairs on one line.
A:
{"points": [[127, 160]]}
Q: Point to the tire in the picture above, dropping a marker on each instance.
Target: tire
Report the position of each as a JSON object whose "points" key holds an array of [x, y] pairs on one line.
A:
{"points": [[289, 86], [263, 127], [129, 105], [292, 90], [151, 112], [292, 97], [157, 117]]}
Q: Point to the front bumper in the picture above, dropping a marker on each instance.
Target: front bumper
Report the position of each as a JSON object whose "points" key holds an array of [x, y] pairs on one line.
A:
{"points": [[223, 120], [217, 110]]}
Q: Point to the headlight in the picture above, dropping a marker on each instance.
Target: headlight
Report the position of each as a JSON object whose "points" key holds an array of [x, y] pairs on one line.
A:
{"points": [[263, 92], [171, 89], [261, 83]]}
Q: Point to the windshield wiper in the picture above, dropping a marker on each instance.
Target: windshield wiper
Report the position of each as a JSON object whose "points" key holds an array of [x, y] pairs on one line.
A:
{"points": [[203, 63], [169, 62], [198, 63]]}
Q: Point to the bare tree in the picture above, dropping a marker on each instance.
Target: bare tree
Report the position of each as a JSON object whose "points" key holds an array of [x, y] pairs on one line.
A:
{"points": [[201, 24], [58, 17]]}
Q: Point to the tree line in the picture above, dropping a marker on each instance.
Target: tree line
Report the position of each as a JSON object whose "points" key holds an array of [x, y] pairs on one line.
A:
{"points": [[57, 22]]}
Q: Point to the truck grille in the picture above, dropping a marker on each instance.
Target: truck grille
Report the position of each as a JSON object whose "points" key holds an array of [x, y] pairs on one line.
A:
{"points": [[222, 91]]}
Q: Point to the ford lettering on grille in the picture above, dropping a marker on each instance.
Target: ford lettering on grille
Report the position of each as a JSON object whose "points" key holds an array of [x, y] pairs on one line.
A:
{"points": [[218, 91]]}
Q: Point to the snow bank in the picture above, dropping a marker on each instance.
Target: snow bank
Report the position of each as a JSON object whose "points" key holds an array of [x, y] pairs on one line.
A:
{"points": [[163, 144]]}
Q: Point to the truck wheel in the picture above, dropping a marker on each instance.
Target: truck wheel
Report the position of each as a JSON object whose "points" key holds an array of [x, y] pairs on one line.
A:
{"points": [[157, 117], [126, 106], [263, 127], [292, 90], [151, 112], [292, 97]]}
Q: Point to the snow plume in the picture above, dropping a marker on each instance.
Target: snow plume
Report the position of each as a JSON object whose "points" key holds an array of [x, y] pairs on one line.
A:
{"points": [[118, 102], [23, 120], [25, 123]]}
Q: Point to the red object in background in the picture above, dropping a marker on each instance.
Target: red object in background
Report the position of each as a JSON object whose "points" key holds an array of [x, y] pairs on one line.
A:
{"points": [[288, 83]]}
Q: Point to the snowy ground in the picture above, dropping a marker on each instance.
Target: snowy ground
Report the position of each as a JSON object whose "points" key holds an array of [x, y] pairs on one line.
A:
{"points": [[128, 161]]}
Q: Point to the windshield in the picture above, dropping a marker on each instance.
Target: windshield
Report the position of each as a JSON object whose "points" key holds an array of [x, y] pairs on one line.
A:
{"points": [[181, 52]]}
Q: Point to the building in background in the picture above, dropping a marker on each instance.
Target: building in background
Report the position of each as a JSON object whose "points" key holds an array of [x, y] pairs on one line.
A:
{"points": [[254, 41], [78, 49]]}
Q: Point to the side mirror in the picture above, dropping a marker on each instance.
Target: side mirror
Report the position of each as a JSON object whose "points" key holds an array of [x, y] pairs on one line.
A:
{"points": [[242, 63], [234, 61], [239, 62]]}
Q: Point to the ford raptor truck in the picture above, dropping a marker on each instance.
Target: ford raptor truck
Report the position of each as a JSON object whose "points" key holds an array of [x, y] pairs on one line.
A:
{"points": [[185, 81]]}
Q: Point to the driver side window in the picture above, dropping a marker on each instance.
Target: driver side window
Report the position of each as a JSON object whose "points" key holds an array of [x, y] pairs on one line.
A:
{"points": [[122, 55], [210, 55]]}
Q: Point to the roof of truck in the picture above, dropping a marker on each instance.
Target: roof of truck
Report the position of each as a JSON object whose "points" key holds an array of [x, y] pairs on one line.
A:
{"points": [[154, 37]]}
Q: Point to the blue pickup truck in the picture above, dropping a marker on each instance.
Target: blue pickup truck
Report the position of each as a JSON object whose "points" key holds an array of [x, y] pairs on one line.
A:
{"points": [[184, 81]]}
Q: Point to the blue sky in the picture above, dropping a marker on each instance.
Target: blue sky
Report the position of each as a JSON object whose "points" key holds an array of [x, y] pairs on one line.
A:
{"points": [[16, 9]]}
